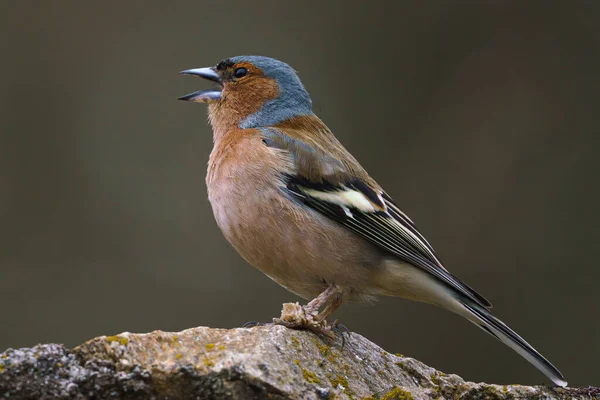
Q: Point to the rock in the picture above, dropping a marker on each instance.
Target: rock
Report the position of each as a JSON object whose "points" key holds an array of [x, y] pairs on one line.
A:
{"points": [[264, 362]]}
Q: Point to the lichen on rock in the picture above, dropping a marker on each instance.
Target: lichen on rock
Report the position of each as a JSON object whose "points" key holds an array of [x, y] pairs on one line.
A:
{"points": [[245, 363]]}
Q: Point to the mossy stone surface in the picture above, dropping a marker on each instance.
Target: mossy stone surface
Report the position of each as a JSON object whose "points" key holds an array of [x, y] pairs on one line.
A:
{"points": [[264, 362]]}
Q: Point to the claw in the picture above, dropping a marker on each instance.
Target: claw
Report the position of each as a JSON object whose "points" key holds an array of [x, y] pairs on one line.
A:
{"points": [[341, 329], [252, 324]]}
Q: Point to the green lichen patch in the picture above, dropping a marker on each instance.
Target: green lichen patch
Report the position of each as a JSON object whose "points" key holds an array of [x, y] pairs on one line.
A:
{"points": [[340, 381], [327, 352], [210, 346], [309, 376], [208, 362], [435, 378], [121, 340], [323, 348], [397, 394]]}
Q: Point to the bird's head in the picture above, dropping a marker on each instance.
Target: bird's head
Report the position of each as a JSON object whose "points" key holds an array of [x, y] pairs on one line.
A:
{"points": [[251, 92]]}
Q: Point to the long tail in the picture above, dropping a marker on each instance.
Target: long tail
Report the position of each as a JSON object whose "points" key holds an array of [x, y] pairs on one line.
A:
{"points": [[492, 325], [400, 279]]}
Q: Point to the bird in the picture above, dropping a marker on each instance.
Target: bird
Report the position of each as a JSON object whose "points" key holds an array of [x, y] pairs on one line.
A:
{"points": [[296, 205]]}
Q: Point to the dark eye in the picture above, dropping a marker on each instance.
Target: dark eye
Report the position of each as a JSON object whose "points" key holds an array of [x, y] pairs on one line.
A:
{"points": [[240, 72]]}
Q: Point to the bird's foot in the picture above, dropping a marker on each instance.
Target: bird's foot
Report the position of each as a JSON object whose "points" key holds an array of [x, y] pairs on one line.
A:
{"points": [[252, 324], [340, 329], [294, 316]]}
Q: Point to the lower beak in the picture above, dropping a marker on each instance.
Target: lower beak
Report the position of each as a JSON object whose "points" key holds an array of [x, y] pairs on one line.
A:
{"points": [[204, 96]]}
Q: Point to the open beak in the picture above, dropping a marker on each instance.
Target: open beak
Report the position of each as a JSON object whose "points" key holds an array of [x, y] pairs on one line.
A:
{"points": [[204, 96]]}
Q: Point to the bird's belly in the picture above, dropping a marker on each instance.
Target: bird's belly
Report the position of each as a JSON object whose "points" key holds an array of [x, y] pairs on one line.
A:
{"points": [[295, 246]]}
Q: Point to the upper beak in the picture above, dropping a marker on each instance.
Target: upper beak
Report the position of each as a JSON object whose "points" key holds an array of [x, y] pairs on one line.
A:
{"points": [[204, 96]]}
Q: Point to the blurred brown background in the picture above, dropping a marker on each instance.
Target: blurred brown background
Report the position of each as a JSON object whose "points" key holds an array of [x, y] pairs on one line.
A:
{"points": [[481, 120]]}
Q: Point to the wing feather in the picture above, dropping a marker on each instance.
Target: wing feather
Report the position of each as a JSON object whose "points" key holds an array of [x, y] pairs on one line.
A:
{"points": [[369, 212]]}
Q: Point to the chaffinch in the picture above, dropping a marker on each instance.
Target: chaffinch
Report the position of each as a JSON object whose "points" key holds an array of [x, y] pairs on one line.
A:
{"points": [[299, 207]]}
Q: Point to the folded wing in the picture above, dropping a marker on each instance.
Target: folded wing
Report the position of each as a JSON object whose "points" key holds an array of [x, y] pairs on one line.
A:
{"points": [[345, 194]]}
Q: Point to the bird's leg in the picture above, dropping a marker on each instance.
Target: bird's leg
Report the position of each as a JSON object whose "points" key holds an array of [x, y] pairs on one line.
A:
{"points": [[308, 317], [336, 302], [315, 304]]}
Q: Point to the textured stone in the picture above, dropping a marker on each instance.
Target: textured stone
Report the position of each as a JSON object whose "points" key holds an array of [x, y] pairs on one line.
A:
{"points": [[265, 362]]}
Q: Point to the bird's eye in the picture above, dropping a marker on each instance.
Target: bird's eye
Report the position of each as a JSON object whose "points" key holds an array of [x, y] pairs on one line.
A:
{"points": [[240, 72]]}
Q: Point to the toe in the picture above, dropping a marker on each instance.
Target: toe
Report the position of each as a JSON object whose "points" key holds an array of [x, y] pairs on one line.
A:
{"points": [[252, 324]]}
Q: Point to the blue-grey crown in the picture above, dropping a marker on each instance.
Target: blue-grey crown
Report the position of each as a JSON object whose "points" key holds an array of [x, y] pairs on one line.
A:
{"points": [[293, 99]]}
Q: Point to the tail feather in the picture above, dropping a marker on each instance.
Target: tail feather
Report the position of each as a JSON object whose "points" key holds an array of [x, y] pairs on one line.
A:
{"points": [[492, 325], [398, 279]]}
